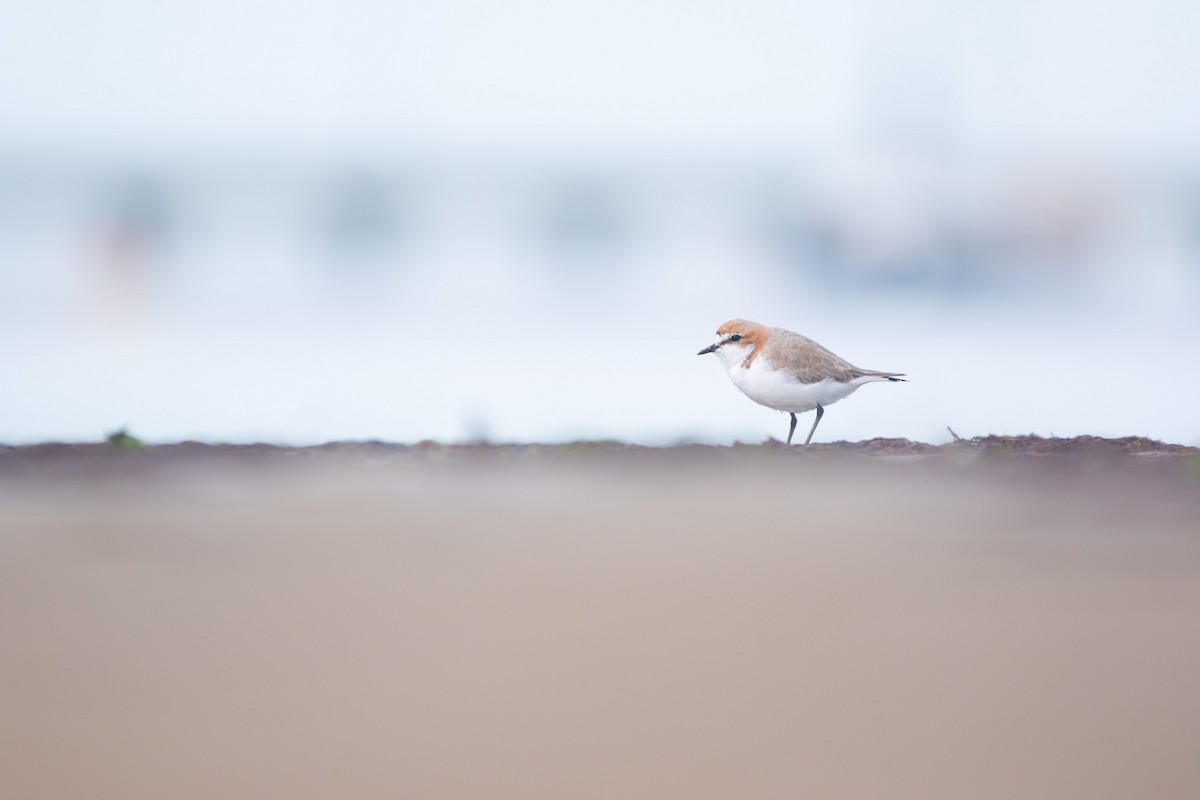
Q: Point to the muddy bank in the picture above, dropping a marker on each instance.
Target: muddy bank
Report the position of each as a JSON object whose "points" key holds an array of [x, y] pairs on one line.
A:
{"points": [[128, 451], [988, 619]]}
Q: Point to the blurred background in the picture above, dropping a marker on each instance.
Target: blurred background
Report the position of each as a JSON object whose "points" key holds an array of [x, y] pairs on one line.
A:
{"points": [[466, 220]]}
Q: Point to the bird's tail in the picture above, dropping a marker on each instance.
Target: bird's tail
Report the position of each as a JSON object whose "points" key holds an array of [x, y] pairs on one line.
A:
{"points": [[876, 375]]}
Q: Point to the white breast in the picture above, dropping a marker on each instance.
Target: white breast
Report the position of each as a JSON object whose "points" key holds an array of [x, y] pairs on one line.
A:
{"points": [[779, 390]]}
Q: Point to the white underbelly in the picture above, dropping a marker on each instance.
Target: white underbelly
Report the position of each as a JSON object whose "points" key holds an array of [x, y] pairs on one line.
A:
{"points": [[777, 390]]}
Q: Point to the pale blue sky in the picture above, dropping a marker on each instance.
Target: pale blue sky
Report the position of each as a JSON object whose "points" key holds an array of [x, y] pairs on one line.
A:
{"points": [[1116, 78]]}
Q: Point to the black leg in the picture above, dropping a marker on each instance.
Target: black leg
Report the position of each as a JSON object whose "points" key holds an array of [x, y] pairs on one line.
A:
{"points": [[820, 413], [792, 429]]}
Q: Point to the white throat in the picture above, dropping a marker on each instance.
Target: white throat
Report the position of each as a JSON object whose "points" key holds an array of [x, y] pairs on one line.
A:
{"points": [[733, 354]]}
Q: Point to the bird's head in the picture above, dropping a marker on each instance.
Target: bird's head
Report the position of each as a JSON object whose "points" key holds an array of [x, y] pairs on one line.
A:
{"points": [[735, 340]]}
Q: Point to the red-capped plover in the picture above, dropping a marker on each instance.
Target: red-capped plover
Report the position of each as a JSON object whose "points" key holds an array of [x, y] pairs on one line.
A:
{"points": [[786, 371]]}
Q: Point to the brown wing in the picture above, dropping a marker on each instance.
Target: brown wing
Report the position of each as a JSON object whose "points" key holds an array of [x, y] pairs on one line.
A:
{"points": [[809, 362]]}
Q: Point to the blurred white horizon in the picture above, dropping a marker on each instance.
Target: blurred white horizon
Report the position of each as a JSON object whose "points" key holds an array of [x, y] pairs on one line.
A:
{"points": [[303, 222]]}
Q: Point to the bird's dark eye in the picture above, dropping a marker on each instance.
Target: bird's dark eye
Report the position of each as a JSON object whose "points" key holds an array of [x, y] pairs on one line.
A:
{"points": [[737, 337]]}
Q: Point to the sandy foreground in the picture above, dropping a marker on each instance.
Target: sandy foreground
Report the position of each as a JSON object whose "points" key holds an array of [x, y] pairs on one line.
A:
{"points": [[600, 622]]}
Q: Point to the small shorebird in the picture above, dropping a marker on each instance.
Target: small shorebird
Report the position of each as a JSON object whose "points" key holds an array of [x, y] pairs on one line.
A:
{"points": [[786, 371]]}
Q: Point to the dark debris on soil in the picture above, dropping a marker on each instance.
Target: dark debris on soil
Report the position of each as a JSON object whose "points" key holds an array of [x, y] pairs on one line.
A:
{"points": [[1089, 445]]}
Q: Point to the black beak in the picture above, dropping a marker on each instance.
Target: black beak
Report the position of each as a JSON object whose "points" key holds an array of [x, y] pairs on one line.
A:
{"points": [[712, 348]]}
